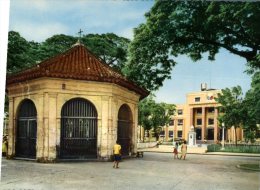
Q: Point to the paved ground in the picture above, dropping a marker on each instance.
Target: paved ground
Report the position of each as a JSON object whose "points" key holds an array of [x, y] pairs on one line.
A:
{"points": [[154, 171]]}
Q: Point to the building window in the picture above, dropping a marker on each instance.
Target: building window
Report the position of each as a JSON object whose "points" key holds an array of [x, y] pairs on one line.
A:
{"points": [[170, 133], [199, 121], [199, 111], [171, 123], [180, 112], [210, 134], [179, 134], [210, 121], [180, 121], [211, 110], [197, 99]]}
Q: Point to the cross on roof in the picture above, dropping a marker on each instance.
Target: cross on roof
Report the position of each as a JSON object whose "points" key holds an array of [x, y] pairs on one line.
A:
{"points": [[80, 33]]}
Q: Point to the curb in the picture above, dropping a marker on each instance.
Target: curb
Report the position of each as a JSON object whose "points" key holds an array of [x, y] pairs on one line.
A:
{"points": [[246, 168], [211, 153]]}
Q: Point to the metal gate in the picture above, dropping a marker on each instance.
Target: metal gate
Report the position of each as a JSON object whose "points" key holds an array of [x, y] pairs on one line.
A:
{"points": [[26, 130], [124, 129], [78, 130]]}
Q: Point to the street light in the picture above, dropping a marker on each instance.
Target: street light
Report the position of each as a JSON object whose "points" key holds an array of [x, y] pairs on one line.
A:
{"points": [[223, 142]]}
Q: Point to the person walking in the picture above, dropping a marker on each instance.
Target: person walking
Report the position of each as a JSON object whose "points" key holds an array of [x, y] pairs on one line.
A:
{"points": [[4, 146], [117, 154], [183, 150], [175, 150]]}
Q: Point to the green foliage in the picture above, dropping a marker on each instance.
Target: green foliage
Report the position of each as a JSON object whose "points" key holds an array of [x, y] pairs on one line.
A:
{"points": [[232, 107], [154, 115], [241, 112], [241, 148], [213, 148], [22, 54], [17, 55], [111, 48], [251, 106], [192, 28]]}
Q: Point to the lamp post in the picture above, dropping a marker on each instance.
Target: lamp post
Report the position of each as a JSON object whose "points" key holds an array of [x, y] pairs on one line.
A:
{"points": [[223, 141]]}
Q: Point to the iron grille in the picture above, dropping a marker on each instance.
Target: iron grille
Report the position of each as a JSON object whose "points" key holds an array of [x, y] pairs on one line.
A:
{"points": [[78, 130], [26, 130]]}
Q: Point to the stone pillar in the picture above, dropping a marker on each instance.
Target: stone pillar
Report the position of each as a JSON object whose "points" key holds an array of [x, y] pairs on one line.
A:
{"points": [[175, 133], [191, 117], [45, 127], [105, 126], [203, 124], [184, 134], [216, 129], [52, 101], [166, 133], [135, 128], [40, 128], [11, 130], [112, 105]]}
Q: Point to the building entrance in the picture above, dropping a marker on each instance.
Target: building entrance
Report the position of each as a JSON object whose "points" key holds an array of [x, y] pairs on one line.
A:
{"points": [[124, 129], [198, 133], [78, 130], [26, 130]]}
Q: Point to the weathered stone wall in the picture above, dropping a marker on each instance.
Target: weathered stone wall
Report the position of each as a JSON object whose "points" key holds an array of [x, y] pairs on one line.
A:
{"points": [[49, 95]]}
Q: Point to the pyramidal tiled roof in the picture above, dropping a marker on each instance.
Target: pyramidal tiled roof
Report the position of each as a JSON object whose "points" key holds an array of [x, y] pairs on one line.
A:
{"points": [[76, 63]]}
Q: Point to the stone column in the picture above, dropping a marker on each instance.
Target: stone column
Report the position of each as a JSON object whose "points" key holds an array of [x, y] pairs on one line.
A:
{"points": [[175, 129], [203, 124], [40, 128], [52, 101], [166, 133], [191, 117], [184, 134], [105, 127], [11, 130], [45, 128], [216, 129], [111, 126], [135, 128]]}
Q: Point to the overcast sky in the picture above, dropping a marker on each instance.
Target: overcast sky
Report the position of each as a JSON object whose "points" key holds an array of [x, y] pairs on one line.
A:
{"points": [[38, 20]]}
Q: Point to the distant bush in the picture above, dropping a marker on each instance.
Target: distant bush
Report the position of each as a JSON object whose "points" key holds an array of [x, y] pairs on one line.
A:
{"points": [[240, 148], [214, 148]]}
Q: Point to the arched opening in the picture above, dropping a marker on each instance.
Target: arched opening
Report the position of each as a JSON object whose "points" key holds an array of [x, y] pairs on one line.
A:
{"points": [[124, 131], [26, 130], [78, 130]]}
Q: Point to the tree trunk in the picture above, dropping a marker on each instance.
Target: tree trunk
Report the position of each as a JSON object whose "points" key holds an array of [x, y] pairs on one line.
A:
{"points": [[235, 134]]}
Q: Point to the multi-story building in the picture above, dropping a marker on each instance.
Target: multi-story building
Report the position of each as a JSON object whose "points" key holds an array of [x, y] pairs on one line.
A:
{"points": [[200, 111]]}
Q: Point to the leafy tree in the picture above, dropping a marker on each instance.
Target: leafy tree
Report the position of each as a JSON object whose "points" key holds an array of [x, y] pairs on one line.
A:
{"points": [[109, 47], [192, 28], [252, 109], [154, 115], [55, 45], [231, 108], [17, 54]]}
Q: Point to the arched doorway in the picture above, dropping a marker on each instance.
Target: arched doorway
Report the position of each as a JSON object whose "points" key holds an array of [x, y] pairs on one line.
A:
{"points": [[78, 130], [124, 131], [26, 130]]}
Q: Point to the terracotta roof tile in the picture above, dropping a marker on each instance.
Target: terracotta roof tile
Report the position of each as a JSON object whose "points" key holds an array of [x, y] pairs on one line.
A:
{"points": [[76, 63]]}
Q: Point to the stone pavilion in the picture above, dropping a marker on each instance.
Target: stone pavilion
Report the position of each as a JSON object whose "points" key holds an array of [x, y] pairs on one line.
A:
{"points": [[71, 106]]}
